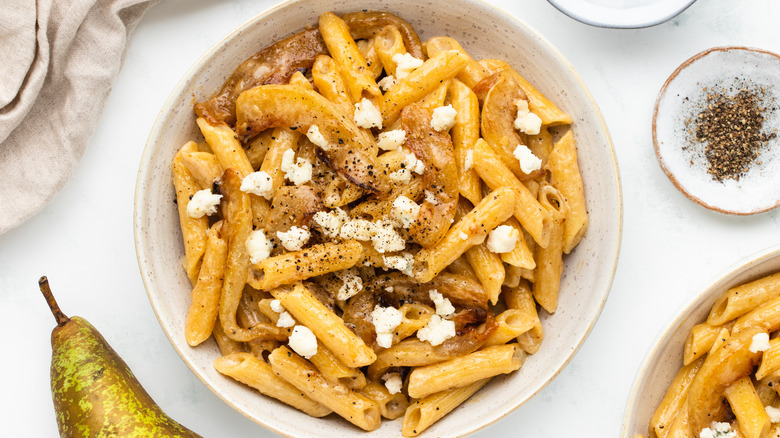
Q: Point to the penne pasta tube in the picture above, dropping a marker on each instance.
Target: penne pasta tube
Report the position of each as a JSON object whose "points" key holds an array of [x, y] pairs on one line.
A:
{"points": [[511, 324], [388, 42], [529, 212], [521, 298], [420, 82], [765, 317], [282, 139], [227, 149], [295, 266], [328, 327], [257, 374], [193, 230], [461, 266], [521, 256], [226, 344], [367, 49], [751, 416], [464, 134], [203, 166], [549, 261], [740, 300], [674, 400], [489, 269], [513, 275], [258, 147], [472, 72], [770, 360], [203, 311], [356, 73], [336, 372], [488, 214], [391, 406], [699, 341], [410, 352], [414, 317], [421, 414], [465, 370], [565, 176], [352, 406], [330, 84]]}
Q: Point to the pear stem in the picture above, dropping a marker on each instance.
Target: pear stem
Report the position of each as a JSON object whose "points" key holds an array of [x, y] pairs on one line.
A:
{"points": [[61, 318]]}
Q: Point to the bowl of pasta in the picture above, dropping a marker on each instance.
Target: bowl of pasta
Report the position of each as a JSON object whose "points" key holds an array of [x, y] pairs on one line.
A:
{"points": [[715, 368], [371, 215]]}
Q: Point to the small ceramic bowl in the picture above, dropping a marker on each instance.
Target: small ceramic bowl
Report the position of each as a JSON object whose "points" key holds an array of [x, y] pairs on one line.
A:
{"points": [[624, 14], [485, 32], [724, 70], [664, 360]]}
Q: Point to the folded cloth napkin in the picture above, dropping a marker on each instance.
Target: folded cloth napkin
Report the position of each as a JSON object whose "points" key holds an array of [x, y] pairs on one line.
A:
{"points": [[59, 61]]}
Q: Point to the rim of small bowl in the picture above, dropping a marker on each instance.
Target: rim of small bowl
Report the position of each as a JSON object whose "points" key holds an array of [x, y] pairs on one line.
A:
{"points": [[139, 200], [628, 18], [678, 318], [669, 174]]}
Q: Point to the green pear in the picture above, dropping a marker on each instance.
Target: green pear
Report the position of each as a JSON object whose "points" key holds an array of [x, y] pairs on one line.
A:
{"points": [[95, 393]]}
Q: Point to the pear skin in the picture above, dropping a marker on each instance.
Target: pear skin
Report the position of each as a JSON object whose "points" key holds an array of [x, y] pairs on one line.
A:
{"points": [[95, 394]]}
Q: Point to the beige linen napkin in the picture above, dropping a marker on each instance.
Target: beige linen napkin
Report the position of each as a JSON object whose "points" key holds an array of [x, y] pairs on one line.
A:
{"points": [[58, 61]]}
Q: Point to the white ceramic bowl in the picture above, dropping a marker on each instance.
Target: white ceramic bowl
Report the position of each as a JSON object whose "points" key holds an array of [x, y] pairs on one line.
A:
{"points": [[485, 32], [664, 360], [622, 14]]}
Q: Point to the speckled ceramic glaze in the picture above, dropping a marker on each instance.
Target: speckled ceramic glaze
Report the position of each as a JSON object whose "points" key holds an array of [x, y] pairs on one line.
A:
{"points": [[622, 14], [664, 360], [683, 161], [485, 32]]}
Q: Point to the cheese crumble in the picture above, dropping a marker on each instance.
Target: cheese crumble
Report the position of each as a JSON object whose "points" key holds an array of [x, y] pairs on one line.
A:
{"points": [[258, 183], [405, 64], [393, 382], [391, 140], [502, 239], [526, 121], [352, 285], [315, 136], [303, 341], [387, 82], [437, 330], [468, 162], [294, 238], [297, 171], [403, 262], [443, 118], [258, 246], [528, 161], [760, 342], [203, 203], [443, 305], [404, 211], [386, 319], [367, 115], [330, 223]]}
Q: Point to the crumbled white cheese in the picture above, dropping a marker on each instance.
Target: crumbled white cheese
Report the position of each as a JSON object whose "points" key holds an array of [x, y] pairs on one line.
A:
{"points": [[367, 115], [391, 140], [386, 319], [358, 229], [502, 239], [316, 137], [469, 160], [463, 236], [431, 198], [414, 164], [387, 82], [526, 121], [437, 330], [403, 262], [405, 64], [718, 430], [203, 203], [443, 305], [404, 211], [258, 246], [294, 238], [258, 183], [401, 176], [528, 161], [303, 341], [276, 306], [298, 171], [386, 238], [774, 414], [285, 320], [352, 285], [443, 118], [389, 289], [330, 223], [760, 342], [393, 382]]}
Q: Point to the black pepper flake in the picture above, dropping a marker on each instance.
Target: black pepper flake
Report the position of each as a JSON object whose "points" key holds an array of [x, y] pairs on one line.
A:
{"points": [[730, 128]]}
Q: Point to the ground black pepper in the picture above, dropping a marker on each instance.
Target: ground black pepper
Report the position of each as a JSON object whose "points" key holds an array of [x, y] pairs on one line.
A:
{"points": [[730, 128]]}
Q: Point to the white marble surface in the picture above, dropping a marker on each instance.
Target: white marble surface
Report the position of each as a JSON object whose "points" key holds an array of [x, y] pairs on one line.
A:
{"points": [[83, 241]]}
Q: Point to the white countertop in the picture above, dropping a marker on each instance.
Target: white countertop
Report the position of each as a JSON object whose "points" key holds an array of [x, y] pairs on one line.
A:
{"points": [[83, 240]]}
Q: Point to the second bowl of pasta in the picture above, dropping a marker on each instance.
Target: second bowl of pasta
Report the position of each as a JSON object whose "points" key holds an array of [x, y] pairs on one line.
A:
{"points": [[379, 214]]}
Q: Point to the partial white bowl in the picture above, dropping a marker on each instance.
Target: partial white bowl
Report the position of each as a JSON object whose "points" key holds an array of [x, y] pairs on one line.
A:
{"points": [[622, 14], [684, 95], [485, 32], [665, 358]]}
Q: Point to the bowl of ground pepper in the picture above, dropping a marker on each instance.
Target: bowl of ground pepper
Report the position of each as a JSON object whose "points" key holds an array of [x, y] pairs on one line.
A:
{"points": [[715, 129]]}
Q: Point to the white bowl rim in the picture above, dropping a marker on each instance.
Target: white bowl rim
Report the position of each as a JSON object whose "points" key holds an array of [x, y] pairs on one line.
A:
{"points": [[626, 18], [139, 198], [677, 319]]}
